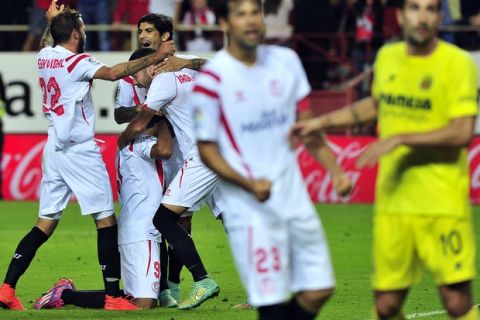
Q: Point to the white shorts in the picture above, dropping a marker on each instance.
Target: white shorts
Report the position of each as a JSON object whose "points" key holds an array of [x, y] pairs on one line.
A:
{"points": [[140, 264], [77, 169], [276, 259], [191, 186]]}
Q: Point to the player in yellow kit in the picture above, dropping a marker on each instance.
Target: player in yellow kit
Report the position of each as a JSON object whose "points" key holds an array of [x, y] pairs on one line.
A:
{"points": [[424, 96]]}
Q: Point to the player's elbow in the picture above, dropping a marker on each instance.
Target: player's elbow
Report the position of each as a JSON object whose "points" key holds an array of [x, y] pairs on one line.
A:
{"points": [[117, 117], [137, 127], [163, 151]]}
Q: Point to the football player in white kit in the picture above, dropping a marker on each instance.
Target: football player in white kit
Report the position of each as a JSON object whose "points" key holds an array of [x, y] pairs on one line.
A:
{"points": [[71, 159], [245, 102], [130, 97], [192, 185]]}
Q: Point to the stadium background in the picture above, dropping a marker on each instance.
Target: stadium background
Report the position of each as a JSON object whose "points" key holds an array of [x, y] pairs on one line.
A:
{"points": [[344, 60]]}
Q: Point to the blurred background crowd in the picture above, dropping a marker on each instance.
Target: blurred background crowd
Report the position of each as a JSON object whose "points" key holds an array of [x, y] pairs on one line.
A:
{"points": [[336, 39]]}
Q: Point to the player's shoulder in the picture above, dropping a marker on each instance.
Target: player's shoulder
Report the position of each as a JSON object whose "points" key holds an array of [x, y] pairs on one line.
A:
{"points": [[270, 50], [393, 49], [453, 53]]}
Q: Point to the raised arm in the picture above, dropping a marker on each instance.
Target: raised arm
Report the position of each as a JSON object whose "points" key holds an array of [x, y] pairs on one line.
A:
{"points": [[131, 67], [173, 64], [53, 10]]}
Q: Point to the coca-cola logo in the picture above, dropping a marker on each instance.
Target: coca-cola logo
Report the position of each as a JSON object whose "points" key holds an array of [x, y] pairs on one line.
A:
{"points": [[319, 180], [26, 173]]}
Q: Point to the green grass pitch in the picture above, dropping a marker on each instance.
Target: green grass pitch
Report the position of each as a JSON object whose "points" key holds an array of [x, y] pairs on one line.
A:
{"points": [[71, 252]]}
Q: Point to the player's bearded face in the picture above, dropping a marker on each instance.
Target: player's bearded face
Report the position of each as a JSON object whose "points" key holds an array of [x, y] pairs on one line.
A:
{"points": [[420, 20], [245, 24], [148, 36]]}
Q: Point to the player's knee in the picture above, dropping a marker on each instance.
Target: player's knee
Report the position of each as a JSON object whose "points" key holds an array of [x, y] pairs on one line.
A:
{"points": [[186, 223], [315, 299], [163, 218], [104, 219], [145, 303]]}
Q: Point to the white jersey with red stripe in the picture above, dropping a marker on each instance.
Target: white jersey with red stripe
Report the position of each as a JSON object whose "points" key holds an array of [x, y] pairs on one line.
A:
{"points": [[65, 80], [170, 92], [140, 183], [128, 94], [249, 111]]}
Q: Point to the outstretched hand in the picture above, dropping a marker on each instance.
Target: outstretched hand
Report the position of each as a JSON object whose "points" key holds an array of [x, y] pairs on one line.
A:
{"points": [[371, 155], [53, 10], [165, 50], [342, 184], [171, 64]]}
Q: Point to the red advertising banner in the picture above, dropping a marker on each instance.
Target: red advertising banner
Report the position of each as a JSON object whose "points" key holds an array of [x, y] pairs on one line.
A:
{"points": [[22, 164], [22, 174]]}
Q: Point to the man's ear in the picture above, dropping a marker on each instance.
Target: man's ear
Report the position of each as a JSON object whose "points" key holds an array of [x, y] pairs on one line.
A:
{"points": [[165, 36], [75, 34], [151, 71]]}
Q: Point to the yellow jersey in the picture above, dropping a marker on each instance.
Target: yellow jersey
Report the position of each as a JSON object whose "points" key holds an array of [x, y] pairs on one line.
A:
{"points": [[418, 94]]}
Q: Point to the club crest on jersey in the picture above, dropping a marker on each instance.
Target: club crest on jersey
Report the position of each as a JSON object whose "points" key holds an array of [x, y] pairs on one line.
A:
{"points": [[275, 88], [240, 96], [426, 83]]}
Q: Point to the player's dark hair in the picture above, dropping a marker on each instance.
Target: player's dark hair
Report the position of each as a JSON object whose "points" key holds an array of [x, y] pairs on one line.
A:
{"points": [[224, 7], [140, 53], [161, 22], [401, 4], [63, 24]]}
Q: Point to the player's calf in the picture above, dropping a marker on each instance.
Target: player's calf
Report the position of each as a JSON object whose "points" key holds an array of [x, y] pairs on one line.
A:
{"points": [[307, 304], [457, 299]]}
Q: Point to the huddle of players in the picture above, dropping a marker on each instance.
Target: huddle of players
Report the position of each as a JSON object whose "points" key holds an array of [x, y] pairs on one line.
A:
{"points": [[160, 176]]}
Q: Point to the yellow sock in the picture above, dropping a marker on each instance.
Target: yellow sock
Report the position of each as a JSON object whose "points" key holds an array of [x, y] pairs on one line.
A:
{"points": [[471, 315]]}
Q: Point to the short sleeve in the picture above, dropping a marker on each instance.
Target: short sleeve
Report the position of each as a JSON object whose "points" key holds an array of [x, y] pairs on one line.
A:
{"points": [[206, 105], [82, 67], [126, 94], [163, 90], [464, 95], [303, 87]]}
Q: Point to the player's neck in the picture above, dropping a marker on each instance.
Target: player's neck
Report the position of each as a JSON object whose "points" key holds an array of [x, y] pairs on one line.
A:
{"points": [[426, 50], [245, 56], [70, 46]]}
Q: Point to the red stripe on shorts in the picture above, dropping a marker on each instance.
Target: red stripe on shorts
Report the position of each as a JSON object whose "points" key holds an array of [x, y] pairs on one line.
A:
{"points": [[149, 255]]}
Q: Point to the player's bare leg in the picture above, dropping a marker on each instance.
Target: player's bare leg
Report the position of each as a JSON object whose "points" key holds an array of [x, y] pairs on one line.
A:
{"points": [[388, 304], [458, 300], [109, 259], [23, 256], [166, 221]]}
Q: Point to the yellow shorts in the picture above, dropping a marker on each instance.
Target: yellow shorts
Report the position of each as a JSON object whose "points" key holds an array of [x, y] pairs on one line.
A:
{"points": [[405, 244]]}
